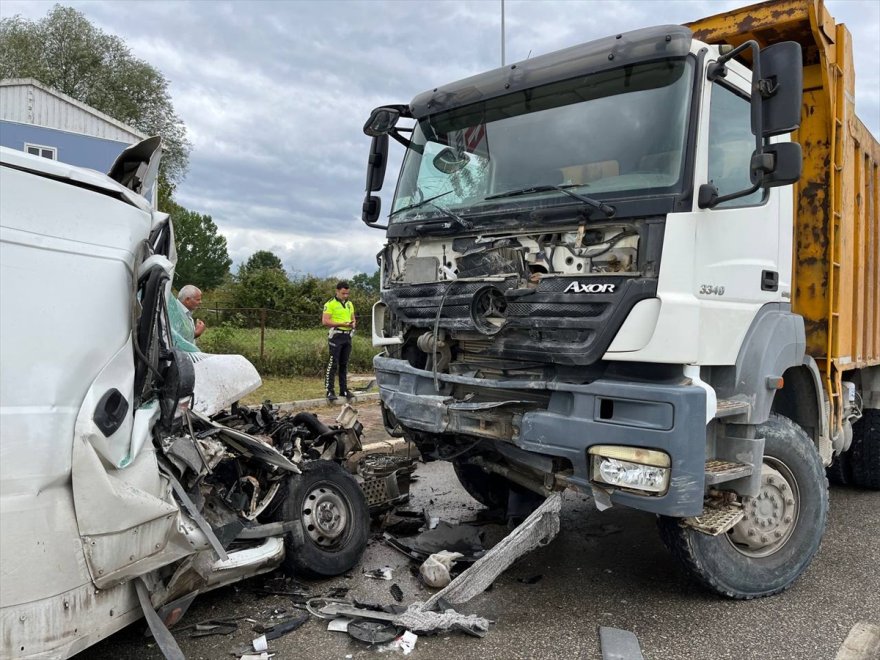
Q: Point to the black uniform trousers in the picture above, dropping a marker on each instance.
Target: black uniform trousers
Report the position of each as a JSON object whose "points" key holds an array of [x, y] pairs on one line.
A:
{"points": [[340, 351]]}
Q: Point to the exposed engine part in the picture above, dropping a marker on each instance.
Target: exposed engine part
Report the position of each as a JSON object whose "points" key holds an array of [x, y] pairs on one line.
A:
{"points": [[438, 349], [386, 480], [598, 250]]}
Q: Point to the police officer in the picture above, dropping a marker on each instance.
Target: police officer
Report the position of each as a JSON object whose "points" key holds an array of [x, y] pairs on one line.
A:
{"points": [[339, 317]]}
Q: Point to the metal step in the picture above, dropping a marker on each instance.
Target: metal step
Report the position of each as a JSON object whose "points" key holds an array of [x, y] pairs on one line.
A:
{"points": [[720, 471], [731, 408], [714, 521]]}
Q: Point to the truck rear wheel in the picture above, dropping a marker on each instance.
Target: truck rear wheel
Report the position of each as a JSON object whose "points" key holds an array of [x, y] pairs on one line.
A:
{"points": [[864, 454], [781, 531], [334, 521]]}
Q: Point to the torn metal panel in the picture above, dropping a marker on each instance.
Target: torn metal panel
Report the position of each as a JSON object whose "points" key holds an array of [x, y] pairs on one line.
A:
{"points": [[538, 529], [221, 380]]}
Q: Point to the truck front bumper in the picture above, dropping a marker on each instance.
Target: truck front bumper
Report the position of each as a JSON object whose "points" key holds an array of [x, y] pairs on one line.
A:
{"points": [[669, 417]]}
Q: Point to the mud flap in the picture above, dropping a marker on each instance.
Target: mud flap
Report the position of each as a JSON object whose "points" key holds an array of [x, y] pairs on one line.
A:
{"points": [[164, 638]]}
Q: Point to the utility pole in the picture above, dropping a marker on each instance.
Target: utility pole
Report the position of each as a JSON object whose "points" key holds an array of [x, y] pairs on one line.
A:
{"points": [[502, 32]]}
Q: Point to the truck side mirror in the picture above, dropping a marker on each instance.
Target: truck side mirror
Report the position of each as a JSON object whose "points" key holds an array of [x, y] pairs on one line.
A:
{"points": [[779, 165], [371, 209], [781, 88], [377, 162], [382, 121]]}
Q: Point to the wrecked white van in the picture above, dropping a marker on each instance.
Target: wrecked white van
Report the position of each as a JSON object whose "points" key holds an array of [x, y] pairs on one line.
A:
{"points": [[124, 490]]}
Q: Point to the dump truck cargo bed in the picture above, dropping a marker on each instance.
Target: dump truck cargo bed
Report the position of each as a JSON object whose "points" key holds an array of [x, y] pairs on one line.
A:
{"points": [[836, 270]]}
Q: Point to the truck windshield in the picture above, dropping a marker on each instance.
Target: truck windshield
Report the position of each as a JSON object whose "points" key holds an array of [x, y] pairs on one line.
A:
{"points": [[616, 133]]}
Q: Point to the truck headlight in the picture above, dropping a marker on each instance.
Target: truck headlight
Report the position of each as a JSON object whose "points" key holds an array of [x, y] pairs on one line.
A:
{"points": [[630, 467]]}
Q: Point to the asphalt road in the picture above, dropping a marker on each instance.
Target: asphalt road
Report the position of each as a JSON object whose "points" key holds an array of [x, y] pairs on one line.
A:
{"points": [[604, 569]]}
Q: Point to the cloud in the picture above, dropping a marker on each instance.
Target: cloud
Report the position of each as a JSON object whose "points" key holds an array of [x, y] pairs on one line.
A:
{"points": [[275, 94]]}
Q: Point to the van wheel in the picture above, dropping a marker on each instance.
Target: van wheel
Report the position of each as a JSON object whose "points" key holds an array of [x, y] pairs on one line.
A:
{"points": [[783, 526], [334, 521], [865, 451]]}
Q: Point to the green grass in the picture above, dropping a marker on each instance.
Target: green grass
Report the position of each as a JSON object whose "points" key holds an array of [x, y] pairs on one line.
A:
{"points": [[279, 389], [286, 353]]}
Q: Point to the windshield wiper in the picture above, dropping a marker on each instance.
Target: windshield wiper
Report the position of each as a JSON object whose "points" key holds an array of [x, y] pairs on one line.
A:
{"points": [[607, 210], [418, 204], [449, 214]]}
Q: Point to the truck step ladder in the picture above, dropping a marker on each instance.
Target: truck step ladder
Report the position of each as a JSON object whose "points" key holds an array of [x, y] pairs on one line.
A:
{"points": [[731, 408], [718, 472]]}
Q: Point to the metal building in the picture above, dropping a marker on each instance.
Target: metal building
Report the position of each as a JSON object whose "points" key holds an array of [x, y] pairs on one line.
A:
{"points": [[44, 122]]}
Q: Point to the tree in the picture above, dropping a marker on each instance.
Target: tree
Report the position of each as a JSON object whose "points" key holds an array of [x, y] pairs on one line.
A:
{"points": [[202, 258], [267, 288], [260, 260], [65, 51], [368, 284]]}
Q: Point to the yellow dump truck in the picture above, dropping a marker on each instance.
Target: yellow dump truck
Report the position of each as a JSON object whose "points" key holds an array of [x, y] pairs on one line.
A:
{"points": [[836, 267], [645, 268]]}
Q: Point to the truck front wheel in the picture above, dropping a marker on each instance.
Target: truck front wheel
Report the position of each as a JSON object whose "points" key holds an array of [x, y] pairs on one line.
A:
{"points": [[782, 528], [489, 489]]}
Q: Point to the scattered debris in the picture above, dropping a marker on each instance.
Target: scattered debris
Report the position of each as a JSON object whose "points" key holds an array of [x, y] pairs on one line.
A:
{"points": [[427, 621], [406, 643], [339, 592], [435, 571], [619, 644], [538, 529], [339, 625], [531, 580], [207, 629], [260, 644], [467, 540], [384, 573], [372, 632], [285, 627], [397, 593]]}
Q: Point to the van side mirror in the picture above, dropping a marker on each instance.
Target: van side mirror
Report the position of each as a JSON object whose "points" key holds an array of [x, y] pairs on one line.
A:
{"points": [[781, 88]]}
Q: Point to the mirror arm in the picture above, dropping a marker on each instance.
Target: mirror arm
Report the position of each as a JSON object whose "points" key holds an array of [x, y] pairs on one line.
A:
{"points": [[715, 201], [399, 138]]}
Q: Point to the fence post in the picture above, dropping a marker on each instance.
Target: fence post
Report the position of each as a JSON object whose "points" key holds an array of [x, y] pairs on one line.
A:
{"points": [[262, 330]]}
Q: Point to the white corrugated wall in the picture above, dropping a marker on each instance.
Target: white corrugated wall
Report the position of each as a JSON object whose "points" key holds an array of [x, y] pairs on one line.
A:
{"points": [[28, 104]]}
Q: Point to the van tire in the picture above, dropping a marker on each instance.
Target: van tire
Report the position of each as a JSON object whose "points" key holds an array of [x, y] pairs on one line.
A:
{"points": [[864, 454], [794, 482], [334, 521]]}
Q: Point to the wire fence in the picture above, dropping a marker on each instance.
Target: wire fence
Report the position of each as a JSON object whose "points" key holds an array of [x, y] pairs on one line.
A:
{"points": [[279, 342]]}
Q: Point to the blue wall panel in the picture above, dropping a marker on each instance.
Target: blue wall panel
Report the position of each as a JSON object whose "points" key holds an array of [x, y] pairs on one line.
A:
{"points": [[72, 148]]}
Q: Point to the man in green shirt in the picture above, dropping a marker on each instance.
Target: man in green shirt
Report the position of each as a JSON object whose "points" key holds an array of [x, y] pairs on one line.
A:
{"points": [[339, 317]]}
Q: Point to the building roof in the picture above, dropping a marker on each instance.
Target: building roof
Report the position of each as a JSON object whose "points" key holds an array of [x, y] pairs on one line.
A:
{"points": [[14, 108]]}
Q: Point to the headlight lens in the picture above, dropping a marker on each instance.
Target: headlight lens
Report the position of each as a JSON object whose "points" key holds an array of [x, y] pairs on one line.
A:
{"points": [[629, 474]]}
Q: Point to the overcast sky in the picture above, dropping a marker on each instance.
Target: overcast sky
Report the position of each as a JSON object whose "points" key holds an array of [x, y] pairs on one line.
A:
{"points": [[275, 94]]}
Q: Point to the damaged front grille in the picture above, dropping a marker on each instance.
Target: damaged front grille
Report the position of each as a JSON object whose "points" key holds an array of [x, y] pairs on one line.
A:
{"points": [[563, 320]]}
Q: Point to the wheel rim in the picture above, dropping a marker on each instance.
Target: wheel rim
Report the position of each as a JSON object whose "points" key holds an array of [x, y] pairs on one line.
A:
{"points": [[326, 513], [771, 516]]}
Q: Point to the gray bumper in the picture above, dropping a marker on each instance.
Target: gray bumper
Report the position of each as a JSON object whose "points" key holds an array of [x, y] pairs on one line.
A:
{"points": [[668, 417]]}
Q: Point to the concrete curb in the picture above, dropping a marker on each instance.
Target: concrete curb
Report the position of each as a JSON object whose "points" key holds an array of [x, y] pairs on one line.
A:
{"points": [[311, 404]]}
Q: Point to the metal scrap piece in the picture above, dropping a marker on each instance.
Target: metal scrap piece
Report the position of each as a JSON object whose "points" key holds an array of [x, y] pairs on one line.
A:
{"points": [[372, 632], [619, 644], [538, 529]]}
